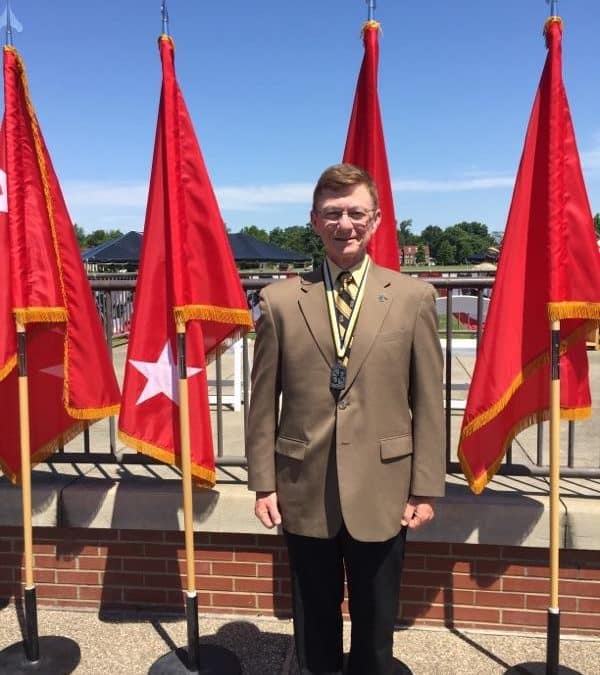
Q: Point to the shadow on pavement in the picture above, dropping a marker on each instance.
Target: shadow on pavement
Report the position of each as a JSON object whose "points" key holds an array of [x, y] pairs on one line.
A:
{"points": [[259, 652]]}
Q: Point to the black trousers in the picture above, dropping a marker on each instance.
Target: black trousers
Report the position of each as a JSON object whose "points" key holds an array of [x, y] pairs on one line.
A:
{"points": [[373, 572]]}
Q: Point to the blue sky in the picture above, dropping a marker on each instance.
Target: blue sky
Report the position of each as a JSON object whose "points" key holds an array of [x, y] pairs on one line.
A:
{"points": [[270, 83]]}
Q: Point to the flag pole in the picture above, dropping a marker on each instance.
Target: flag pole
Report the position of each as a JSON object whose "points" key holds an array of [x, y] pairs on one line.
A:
{"points": [[553, 619], [191, 607], [9, 39], [552, 667], [32, 646], [59, 654], [205, 659], [371, 9], [165, 17], [553, 632]]}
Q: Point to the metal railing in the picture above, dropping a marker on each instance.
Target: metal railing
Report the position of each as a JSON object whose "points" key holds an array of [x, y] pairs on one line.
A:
{"points": [[114, 299]]}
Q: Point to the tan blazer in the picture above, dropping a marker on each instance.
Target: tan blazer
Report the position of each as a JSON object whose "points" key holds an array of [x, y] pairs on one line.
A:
{"points": [[361, 457]]}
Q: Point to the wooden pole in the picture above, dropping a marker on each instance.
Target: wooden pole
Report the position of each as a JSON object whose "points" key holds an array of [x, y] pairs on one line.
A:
{"points": [[25, 456], [188, 505], [553, 635], [31, 639]]}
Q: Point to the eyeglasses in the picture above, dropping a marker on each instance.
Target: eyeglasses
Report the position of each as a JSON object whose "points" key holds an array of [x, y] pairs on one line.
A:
{"points": [[355, 215]]}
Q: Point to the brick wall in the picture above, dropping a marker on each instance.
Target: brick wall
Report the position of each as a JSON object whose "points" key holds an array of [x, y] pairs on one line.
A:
{"points": [[470, 586]]}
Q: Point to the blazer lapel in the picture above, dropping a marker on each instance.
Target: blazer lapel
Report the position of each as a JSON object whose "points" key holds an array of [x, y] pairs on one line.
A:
{"points": [[313, 305], [376, 303]]}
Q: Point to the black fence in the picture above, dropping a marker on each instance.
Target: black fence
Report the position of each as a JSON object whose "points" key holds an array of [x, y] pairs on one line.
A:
{"points": [[462, 306]]}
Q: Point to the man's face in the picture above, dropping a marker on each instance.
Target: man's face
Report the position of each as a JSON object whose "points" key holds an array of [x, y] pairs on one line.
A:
{"points": [[345, 222]]}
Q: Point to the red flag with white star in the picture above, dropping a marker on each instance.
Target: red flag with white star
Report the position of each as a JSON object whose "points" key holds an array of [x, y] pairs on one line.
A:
{"points": [[43, 285], [187, 274], [365, 148]]}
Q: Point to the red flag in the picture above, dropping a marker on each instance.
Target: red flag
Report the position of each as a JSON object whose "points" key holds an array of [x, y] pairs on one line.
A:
{"points": [[43, 285], [187, 273], [365, 148], [549, 269]]}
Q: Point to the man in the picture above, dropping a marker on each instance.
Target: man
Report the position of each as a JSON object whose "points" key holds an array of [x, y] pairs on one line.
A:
{"points": [[345, 431]]}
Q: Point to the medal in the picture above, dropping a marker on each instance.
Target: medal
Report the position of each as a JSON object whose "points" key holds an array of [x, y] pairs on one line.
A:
{"points": [[337, 381]]}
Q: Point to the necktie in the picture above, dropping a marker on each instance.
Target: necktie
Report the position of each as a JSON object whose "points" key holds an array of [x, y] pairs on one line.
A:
{"points": [[344, 302]]}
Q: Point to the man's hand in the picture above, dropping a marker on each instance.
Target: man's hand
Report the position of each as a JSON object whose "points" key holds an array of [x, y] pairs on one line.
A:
{"points": [[266, 509], [418, 511]]}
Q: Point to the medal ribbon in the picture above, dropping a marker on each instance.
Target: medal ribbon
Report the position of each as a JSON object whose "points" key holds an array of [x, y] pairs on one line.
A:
{"points": [[343, 310]]}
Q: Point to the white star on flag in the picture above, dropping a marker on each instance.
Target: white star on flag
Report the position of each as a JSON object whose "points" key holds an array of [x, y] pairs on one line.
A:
{"points": [[56, 371], [161, 375]]}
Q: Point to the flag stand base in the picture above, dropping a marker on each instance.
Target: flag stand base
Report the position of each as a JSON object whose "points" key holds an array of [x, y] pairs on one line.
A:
{"points": [[540, 668], [197, 658], [57, 655], [551, 667], [212, 660], [398, 667]]}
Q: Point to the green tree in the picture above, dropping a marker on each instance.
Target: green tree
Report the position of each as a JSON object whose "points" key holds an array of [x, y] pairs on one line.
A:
{"points": [[405, 236], [446, 253], [498, 236], [474, 228], [299, 238], [277, 237], [290, 238], [256, 232], [463, 243], [467, 239], [313, 245], [100, 236], [420, 257], [80, 235], [432, 236], [597, 223]]}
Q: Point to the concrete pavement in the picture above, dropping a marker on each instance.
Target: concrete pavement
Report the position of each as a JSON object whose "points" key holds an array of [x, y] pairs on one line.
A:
{"points": [[131, 644]]}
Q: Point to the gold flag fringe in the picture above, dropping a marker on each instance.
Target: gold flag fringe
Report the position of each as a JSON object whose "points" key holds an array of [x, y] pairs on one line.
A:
{"points": [[203, 477], [8, 367], [241, 318], [46, 450], [40, 314], [93, 413], [483, 418], [573, 310], [213, 313], [478, 483]]}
